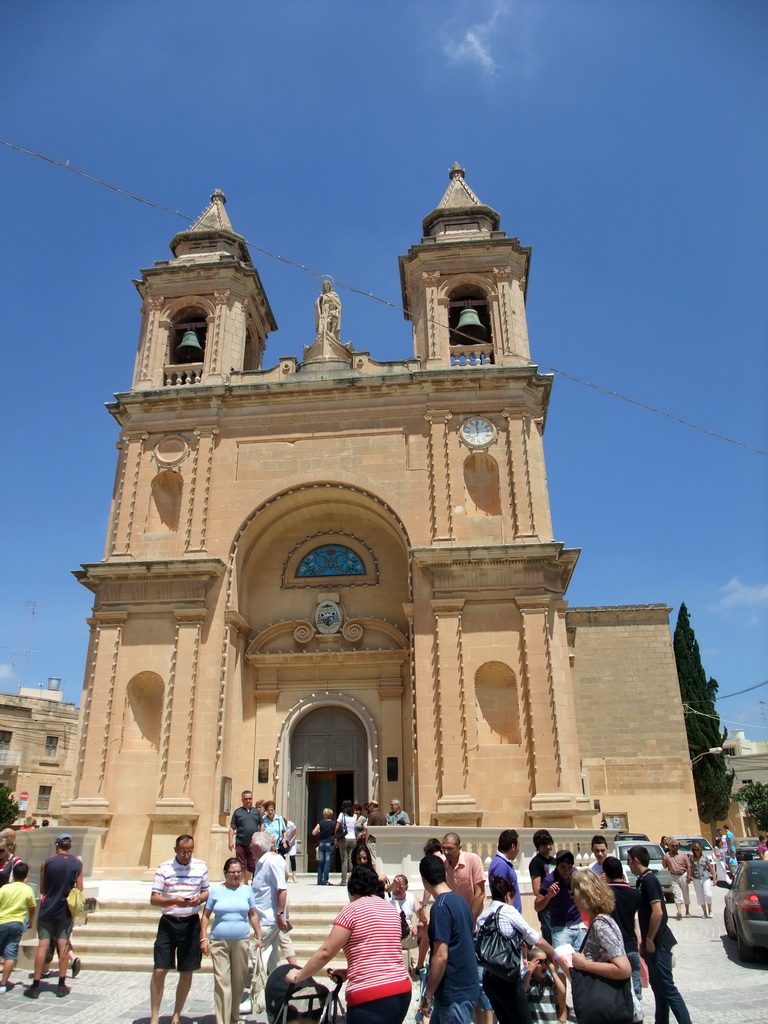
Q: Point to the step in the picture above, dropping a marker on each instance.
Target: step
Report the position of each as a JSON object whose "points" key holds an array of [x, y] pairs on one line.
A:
{"points": [[119, 934]]}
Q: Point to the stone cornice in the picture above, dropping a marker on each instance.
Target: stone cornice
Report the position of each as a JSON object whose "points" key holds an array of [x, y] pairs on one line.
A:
{"points": [[618, 615], [329, 658], [519, 569], [521, 388], [497, 554], [96, 574], [236, 621]]}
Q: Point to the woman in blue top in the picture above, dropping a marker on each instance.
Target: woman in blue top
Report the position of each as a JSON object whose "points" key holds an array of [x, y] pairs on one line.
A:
{"points": [[234, 910]]}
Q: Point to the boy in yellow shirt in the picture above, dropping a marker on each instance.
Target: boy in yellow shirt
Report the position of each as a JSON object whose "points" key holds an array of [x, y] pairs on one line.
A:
{"points": [[17, 903]]}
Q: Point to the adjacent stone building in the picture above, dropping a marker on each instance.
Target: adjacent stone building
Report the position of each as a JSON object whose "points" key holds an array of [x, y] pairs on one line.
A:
{"points": [[337, 577], [38, 733]]}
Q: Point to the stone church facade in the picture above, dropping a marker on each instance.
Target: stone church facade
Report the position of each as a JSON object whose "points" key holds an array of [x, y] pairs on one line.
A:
{"points": [[337, 577]]}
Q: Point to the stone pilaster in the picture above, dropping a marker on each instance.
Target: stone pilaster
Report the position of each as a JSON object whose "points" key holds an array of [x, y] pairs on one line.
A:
{"points": [[179, 710], [454, 805], [540, 706], [229, 711], [439, 466], [436, 321], [519, 471], [124, 510], [200, 489], [98, 710], [149, 372], [556, 791], [217, 326]]}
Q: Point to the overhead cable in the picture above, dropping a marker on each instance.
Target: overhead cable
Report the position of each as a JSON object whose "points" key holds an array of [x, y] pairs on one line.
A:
{"points": [[65, 165]]}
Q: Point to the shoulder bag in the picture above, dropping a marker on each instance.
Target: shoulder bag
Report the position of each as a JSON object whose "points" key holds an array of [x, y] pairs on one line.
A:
{"points": [[598, 1000], [495, 952]]}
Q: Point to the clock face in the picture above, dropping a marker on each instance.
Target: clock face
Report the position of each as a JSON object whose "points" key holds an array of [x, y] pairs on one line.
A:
{"points": [[477, 432]]}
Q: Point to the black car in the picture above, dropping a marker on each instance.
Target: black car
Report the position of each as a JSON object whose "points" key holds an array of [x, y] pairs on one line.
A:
{"points": [[746, 908], [747, 849]]}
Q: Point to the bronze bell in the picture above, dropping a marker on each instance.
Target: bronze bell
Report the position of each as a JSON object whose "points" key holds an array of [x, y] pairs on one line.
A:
{"points": [[470, 329], [189, 349]]}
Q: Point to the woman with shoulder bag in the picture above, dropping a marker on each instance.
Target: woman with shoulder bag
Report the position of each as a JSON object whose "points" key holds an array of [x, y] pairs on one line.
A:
{"points": [[600, 974], [501, 931]]}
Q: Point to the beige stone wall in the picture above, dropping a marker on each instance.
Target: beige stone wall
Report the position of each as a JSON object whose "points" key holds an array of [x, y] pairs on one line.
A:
{"points": [[26, 766], [451, 651], [629, 716]]}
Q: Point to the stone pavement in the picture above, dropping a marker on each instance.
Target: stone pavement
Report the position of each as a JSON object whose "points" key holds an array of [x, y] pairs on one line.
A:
{"points": [[716, 986]]}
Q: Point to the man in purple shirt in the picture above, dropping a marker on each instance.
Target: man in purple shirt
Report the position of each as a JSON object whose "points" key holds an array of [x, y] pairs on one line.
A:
{"points": [[555, 894], [502, 865]]}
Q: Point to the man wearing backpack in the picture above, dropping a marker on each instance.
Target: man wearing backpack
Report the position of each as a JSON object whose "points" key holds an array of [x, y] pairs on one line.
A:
{"points": [[58, 875]]}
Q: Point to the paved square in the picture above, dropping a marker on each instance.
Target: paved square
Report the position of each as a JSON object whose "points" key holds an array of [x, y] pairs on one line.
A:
{"points": [[716, 986]]}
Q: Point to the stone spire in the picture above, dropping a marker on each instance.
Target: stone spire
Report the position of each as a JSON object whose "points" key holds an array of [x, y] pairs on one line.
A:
{"points": [[214, 218], [460, 211], [211, 232]]}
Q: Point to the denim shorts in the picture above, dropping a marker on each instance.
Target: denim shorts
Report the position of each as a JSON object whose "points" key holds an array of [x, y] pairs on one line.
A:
{"points": [[10, 935]]}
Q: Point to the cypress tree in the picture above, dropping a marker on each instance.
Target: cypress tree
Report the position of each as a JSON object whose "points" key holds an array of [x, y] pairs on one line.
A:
{"points": [[712, 780]]}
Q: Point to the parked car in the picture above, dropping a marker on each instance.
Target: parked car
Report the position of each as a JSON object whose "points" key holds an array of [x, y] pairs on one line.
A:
{"points": [[746, 849], [746, 908], [686, 842], [632, 837], [655, 853]]}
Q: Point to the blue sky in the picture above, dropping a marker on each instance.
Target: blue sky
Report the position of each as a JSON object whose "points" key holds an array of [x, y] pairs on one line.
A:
{"points": [[626, 142]]}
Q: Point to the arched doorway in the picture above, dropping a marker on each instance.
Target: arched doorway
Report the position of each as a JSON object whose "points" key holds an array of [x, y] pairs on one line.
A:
{"points": [[329, 759]]}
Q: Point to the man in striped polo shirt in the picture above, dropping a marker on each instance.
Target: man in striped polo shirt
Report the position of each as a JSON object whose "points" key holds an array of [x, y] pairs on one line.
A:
{"points": [[179, 889]]}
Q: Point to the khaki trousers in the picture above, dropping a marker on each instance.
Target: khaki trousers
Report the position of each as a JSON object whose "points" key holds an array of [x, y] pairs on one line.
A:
{"points": [[230, 971]]}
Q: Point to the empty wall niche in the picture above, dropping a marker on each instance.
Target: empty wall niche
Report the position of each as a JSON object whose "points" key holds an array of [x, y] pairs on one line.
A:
{"points": [[165, 503], [145, 706], [481, 485], [497, 703]]}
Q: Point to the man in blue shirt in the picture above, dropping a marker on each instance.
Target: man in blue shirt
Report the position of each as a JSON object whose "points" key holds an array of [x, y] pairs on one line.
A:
{"points": [[502, 863], [453, 987], [555, 893]]}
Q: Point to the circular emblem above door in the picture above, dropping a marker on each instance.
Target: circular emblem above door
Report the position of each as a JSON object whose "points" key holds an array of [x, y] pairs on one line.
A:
{"points": [[328, 617]]}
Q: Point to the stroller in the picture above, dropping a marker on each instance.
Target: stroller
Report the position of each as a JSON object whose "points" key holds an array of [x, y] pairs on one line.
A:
{"points": [[308, 1002]]}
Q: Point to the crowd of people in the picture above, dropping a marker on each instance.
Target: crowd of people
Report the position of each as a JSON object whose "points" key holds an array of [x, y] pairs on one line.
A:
{"points": [[60, 875], [464, 939], [474, 957]]}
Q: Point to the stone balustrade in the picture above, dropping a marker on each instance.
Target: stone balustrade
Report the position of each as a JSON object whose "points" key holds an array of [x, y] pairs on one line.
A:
{"points": [[471, 355], [400, 848], [190, 373]]}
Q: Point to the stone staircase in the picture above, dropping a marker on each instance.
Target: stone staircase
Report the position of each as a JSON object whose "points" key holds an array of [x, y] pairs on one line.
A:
{"points": [[119, 935]]}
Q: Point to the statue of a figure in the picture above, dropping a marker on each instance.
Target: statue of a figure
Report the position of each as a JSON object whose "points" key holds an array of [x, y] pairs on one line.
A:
{"points": [[328, 313]]}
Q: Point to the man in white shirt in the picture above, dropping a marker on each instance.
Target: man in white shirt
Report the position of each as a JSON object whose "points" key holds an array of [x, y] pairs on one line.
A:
{"points": [[270, 889], [599, 852], [180, 888]]}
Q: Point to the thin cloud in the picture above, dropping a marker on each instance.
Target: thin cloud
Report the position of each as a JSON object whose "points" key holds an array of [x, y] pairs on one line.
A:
{"points": [[6, 671], [736, 594], [473, 45], [472, 48]]}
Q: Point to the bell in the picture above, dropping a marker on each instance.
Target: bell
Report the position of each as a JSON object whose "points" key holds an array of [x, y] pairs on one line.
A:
{"points": [[469, 329], [189, 349]]}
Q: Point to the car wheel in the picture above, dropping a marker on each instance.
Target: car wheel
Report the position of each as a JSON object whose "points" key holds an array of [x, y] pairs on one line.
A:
{"points": [[730, 931], [746, 953]]}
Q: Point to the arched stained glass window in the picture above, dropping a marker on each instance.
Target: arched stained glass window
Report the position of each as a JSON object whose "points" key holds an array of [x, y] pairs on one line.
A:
{"points": [[331, 560]]}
